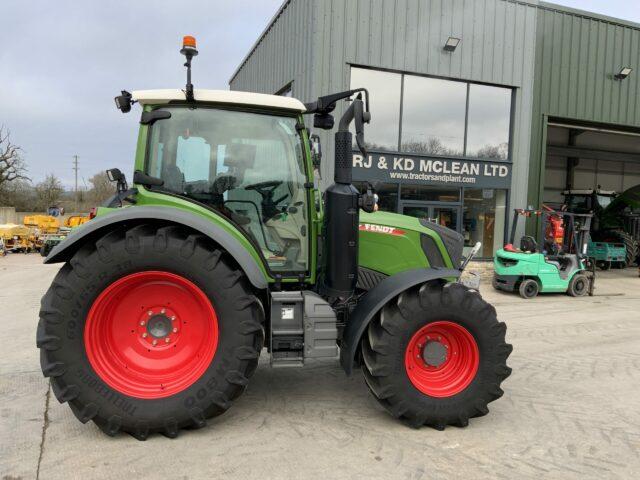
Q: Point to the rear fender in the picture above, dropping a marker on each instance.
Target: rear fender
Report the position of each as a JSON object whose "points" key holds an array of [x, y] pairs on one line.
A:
{"points": [[372, 301], [100, 225]]}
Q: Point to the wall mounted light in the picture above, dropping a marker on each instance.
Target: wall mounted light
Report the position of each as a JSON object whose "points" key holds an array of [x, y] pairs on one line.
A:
{"points": [[451, 44], [623, 73]]}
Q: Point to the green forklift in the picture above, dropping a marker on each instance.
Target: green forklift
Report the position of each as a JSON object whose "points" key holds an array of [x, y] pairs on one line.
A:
{"points": [[556, 262], [224, 247]]}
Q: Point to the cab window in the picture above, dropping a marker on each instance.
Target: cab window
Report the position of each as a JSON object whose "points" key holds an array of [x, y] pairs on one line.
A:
{"points": [[247, 166]]}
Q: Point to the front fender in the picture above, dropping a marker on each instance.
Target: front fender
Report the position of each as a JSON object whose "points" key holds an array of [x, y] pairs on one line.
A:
{"points": [[99, 225], [375, 299]]}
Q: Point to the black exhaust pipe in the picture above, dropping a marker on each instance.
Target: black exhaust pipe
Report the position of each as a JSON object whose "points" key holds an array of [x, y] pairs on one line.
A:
{"points": [[342, 204]]}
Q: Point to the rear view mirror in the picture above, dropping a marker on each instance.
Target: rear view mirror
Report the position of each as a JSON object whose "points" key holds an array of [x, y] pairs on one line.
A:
{"points": [[323, 120], [114, 175]]}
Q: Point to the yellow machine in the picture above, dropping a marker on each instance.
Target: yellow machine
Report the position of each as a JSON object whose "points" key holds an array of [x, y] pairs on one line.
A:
{"points": [[16, 238], [76, 221], [44, 223]]}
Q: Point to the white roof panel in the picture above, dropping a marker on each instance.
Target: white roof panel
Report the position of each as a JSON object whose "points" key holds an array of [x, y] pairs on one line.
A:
{"points": [[155, 97]]}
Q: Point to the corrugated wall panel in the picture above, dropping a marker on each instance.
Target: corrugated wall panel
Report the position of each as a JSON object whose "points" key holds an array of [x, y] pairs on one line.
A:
{"points": [[577, 57], [285, 53]]}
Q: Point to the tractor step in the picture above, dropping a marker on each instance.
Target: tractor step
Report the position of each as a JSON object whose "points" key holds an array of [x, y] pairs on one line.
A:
{"points": [[303, 325]]}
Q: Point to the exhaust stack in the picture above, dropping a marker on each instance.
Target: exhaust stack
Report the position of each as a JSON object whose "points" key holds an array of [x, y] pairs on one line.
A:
{"points": [[342, 206]]}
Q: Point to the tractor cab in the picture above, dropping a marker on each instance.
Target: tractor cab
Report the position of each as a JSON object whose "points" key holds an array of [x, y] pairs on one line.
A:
{"points": [[242, 155], [586, 201], [555, 261]]}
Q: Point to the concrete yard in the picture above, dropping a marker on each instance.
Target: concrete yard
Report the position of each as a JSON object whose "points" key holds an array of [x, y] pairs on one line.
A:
{"points": [[571, 408]]}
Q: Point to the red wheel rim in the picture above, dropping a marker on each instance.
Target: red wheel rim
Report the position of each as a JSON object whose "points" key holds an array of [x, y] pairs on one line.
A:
{"points": [[151, 334], [442, 359]]}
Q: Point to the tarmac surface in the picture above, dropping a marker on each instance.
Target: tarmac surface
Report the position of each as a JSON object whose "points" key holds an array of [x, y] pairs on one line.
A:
{"points": [[571, 407]]}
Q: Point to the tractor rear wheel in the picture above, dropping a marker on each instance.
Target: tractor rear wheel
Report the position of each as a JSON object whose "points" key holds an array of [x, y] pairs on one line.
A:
{"points": [[149, 329], [436, 355]]}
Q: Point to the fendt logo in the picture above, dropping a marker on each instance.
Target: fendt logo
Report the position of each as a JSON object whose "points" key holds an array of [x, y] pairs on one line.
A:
{"points": [[369, 227]]}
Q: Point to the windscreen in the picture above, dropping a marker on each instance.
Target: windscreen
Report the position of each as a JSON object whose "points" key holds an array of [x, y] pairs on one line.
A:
{"points": [[248, 166]]}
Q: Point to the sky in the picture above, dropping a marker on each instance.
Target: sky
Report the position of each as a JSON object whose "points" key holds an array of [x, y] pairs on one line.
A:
{"points": [[63, 61]]}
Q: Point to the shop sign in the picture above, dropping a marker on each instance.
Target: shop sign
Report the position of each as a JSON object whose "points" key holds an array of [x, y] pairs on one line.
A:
{"points": [[396, 168]]}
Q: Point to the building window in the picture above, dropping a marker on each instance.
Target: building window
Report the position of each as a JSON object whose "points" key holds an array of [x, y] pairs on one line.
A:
{"points": [[433, 116], [384, 89], [439, 117], [483, 219], [430, 193], [488, 124]]}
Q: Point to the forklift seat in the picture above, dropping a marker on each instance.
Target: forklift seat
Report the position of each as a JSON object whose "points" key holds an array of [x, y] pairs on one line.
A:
{"points": [[528, 244], [566, 264]]}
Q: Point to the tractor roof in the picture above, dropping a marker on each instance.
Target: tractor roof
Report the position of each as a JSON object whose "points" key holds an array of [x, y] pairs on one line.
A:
{"points": [[155, 97]]}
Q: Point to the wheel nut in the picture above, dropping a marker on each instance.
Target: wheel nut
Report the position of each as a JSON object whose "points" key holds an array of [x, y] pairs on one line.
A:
{"points": [[142, 323], [144, 335], [155, 342], [162, 311], [150, 312], [173, 318], [167, 340], [175, 330]]}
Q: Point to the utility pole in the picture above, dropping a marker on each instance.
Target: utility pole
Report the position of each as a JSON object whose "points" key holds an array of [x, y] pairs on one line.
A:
{"points": [[75, 168]]}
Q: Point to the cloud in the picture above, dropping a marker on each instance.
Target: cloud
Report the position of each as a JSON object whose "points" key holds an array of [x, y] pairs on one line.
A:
{"points": [[64, 61]]}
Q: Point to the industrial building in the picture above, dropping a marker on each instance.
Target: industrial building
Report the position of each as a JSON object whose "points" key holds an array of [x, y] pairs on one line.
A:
{"points": [[478, 106]]}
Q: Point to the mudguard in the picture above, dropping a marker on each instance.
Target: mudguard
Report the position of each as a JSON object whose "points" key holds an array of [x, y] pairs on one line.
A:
{"points": [[375, 299], [65, 249]]}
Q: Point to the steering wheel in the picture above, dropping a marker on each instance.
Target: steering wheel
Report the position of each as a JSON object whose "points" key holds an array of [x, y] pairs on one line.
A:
{"points": [[264, 188], [269, 205]]}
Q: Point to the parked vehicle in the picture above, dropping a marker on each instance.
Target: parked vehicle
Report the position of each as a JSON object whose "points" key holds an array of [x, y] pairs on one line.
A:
{"points": [[616, 216], [224, 245], [542, 265]]}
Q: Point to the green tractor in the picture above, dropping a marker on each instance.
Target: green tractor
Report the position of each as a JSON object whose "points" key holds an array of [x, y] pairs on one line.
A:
{"points": [[616, 217], [224, 245]]}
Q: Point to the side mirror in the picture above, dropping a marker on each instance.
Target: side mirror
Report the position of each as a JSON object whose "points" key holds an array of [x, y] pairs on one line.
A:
{"points": [[124, 101], [324, 121], [115, 175]]}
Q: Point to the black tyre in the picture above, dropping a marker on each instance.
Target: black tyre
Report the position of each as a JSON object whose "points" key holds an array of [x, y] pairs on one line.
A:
{"points": [[579, 285], [529, 288], [403, 373], [153, 291]]}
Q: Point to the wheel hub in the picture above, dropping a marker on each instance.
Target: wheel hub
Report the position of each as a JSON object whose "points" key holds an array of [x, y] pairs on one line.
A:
{"points": [[159, 326], [434, 353]]}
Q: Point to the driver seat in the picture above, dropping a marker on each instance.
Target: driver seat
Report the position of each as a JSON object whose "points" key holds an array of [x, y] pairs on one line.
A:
{"points": [[528, 244]]}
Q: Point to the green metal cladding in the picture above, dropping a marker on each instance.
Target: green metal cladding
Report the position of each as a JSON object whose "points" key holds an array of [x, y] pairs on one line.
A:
{"points": [[577, 56]]}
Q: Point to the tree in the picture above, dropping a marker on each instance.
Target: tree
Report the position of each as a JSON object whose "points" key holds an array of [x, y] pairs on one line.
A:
{"points": [[49, 192], [12, 166], [101, 188], [19, 194]]}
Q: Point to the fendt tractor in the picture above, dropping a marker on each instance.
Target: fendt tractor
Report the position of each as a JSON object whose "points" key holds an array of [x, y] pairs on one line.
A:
{"points": [[224, 245]]}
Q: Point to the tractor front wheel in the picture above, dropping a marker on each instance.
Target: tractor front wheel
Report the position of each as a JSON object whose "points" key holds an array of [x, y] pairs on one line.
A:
{"points": [[149, 329], [436, 355]]}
